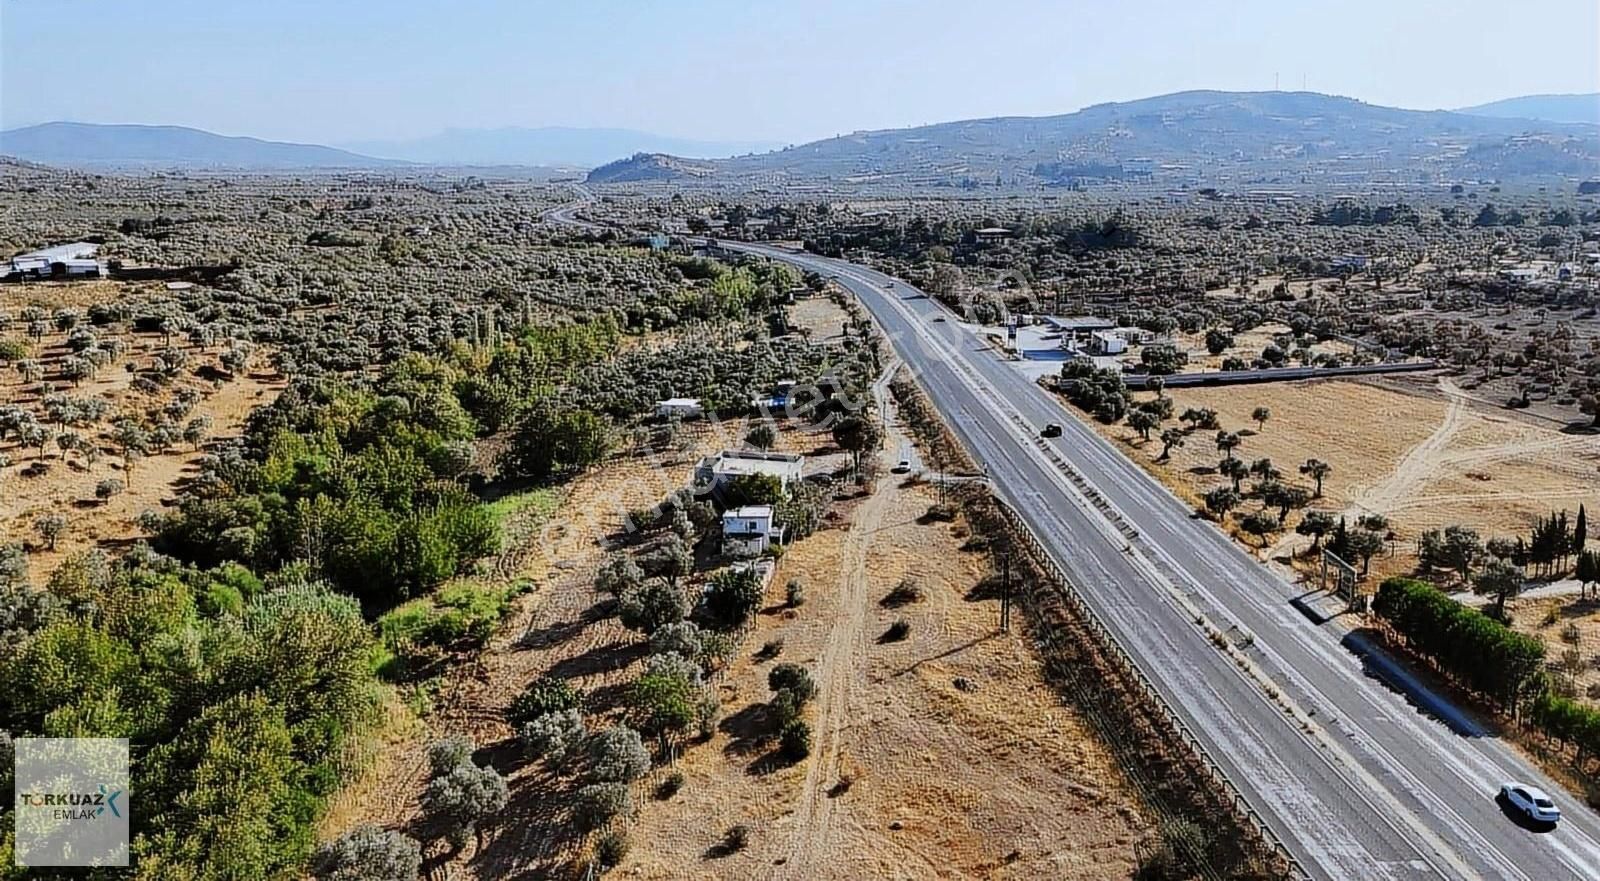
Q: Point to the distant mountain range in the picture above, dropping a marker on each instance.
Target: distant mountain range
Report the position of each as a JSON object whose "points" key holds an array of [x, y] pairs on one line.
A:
{"points": [[581, 147], [1549, 108], [1244, 138], [90, 145], [1241, 138]]}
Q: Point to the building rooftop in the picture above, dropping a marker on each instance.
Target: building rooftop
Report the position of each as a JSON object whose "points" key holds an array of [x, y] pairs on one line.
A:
{"points": [[740, 462], [61, 253], [749, 512], [1079, 322]]}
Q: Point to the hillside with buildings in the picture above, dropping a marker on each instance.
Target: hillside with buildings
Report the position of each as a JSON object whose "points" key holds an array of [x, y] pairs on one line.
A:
{"points": [[1202, 135]]}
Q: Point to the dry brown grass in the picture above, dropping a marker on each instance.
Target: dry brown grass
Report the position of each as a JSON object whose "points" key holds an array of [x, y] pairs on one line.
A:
{"points": [[1556, 620], [1418, 459], [928, 778], [820, 316], [558, 629]]}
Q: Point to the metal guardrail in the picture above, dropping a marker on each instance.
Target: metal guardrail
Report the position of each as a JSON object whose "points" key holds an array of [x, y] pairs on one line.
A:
{"points": [[1092, 620]]}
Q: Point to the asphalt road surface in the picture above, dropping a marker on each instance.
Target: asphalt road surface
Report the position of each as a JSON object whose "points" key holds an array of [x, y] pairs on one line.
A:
{"points": [[1361, 772]]}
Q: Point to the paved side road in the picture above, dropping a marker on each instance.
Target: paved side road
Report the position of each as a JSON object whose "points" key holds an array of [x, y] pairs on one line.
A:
{"points": [[1360, 771]]}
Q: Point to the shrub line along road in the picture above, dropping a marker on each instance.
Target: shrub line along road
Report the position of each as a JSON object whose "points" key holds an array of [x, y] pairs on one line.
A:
{"points": [[1360, 771]]}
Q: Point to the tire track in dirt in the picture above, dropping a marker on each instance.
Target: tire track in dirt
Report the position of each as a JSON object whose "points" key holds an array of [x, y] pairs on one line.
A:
{"points": [[1417, 467], [842, 668]]}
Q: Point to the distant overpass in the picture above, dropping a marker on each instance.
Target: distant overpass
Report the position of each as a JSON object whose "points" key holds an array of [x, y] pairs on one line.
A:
{"points": [[1275, 374]]}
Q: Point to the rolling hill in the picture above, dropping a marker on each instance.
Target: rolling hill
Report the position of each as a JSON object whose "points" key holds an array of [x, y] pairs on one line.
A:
{"points": [[91, 145], [1548, 108], [583, 147], [1241, 137]]}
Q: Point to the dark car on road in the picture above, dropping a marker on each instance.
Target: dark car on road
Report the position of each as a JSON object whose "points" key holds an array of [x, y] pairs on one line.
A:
{"points": [[1051, 430]]}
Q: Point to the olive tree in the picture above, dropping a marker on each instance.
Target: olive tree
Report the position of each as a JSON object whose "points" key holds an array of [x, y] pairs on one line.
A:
{"points": [[616, 755], [461, 793], [368, 853]]}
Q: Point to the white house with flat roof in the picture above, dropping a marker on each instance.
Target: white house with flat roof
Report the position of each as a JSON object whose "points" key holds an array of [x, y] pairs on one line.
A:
{"points": [[749, 531], [714, 471]]}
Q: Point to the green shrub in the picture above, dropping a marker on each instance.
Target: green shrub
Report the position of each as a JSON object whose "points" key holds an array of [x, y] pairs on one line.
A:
{"points": [[611, 847], [555, 736], [617, 755], [651, 606], [897, 631], [1568, 721], [795, 740], [368, 853], [793, 678], [786, 707], [670, 785], [737, 838], [543, 695], [732, 597], [664, 701]]}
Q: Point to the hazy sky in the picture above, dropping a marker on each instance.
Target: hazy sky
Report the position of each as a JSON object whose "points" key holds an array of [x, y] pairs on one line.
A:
{"points": [[336, 70]]}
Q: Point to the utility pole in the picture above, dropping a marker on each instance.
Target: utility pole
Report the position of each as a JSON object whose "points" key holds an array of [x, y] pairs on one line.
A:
{"points": [[1005, 593]]}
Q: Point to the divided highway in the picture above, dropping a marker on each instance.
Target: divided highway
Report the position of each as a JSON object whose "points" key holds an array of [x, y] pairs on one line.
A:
{"points": [[1360, 771]]}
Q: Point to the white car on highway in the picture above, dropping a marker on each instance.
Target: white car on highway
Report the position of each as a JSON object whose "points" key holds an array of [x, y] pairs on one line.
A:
{"points": [[1531, 802]]}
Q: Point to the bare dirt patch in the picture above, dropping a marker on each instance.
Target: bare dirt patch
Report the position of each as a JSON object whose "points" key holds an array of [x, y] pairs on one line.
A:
{"points": [[1570, 629], [820, 317]]}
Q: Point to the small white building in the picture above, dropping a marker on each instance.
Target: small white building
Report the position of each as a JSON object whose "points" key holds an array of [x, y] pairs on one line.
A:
{"points": [[73, 259], [1520, 275], [1107, 342], [679, 408], [714, 471], [749, 531]]}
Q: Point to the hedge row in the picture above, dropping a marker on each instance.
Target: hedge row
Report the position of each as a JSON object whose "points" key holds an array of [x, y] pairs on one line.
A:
{"points": [[1567, 721], [1477, 650]]}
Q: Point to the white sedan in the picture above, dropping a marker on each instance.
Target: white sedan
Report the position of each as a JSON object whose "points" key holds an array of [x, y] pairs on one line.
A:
{"points": [[1531, 801]]}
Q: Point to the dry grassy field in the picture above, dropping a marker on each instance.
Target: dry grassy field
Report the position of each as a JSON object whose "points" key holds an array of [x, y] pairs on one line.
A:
{"points": [[1422, 460], [943, 755]]}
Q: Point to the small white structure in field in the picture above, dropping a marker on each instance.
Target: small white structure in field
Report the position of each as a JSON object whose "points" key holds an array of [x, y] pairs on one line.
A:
{"points": [[682, 408], [749, 531]]}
